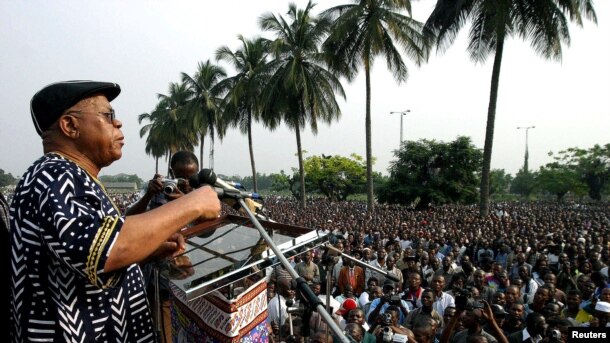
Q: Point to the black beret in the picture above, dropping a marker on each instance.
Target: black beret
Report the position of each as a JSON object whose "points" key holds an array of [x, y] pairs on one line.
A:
{"points": [[53, 100]]}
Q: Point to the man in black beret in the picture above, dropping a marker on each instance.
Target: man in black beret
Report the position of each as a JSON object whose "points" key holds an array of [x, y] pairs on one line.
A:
{"points": [[74, 274]]}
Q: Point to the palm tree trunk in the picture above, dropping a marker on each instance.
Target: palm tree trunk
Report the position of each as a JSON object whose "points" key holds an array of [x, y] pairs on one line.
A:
{"points": [[254, 183], [301, 168], [489, 131], [157, 165], [212, 147], [370, 196], [202, 140]]}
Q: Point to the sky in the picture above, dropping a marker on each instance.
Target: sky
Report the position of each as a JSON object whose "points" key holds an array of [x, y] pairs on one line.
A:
{"points": [[145, 45]]}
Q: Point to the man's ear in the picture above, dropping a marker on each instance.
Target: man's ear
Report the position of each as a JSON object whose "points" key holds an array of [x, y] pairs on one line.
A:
{"points": [[68, 126]]}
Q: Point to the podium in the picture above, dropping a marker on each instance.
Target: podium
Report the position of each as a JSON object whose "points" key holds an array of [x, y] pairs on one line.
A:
{"points": [[219, 283]]}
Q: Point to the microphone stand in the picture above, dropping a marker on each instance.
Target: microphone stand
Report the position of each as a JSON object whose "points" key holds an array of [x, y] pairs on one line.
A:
{"points": [[302, 286]]}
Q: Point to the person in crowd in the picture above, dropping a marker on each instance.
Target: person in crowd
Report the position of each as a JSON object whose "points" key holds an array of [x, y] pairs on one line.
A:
{"points": [[90, 247], [277, 306], [413, 292], [534, 331], [573, 310], [379, 306], [516, 319], [426, 310], [529, 287], [442, 299], [353, 276], [183, 164], [514, 270], [306, 268]]}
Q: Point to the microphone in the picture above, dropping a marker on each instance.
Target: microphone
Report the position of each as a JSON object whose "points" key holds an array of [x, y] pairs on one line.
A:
{"points": [[224, 189]]}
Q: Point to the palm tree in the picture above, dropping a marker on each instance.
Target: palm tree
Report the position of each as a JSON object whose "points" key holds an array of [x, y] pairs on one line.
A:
{"points": [[300, 90], [168, 131], [364, 30], [543, 23], [242, 102], [203, 109]]}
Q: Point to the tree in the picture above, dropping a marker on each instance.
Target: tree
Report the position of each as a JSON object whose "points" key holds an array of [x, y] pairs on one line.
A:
{"points": [[592, 166], [6, 179], [364, 30], [204, 104], [499, 181], [241, 104], [168, 130], [543, 23], [524, 183], [428, 172], [300, 90], [336, 177], [283, 181], [559, 179], [122, 178]]}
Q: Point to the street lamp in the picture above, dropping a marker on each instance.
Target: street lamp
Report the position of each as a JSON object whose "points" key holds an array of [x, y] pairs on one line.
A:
{"points": [[402, 114], [527, 129]]}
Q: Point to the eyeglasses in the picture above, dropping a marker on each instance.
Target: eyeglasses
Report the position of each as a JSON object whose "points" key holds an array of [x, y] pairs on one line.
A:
{"points": [[110, 115]]}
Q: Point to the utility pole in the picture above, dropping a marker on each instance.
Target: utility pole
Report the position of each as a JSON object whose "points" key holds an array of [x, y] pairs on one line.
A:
{"points": [[525, 163], [402, 114]]}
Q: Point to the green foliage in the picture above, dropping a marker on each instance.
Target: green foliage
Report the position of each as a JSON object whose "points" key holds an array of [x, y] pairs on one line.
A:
{"points": [[543, 23], [428, 172], [524, 183], [300, 90], [336, 177], [364, 30], [560, 179], [499, 182], [6, 179], [592, 167], [122, 178]]}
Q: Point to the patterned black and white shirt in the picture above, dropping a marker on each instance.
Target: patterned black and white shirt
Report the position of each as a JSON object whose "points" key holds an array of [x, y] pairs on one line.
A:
{"points": [[63, 226]]}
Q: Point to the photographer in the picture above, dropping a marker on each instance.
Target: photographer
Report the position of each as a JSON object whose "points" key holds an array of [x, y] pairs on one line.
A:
{"points": [[387, 328], [389, 298]]}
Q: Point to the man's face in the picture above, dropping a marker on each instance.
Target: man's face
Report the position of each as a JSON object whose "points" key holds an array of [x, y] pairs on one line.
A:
{"points": [[602, 317], [307, 256], [524, 273], [98, 138], [438, 283], [427, 299], [511, 294], [551, 310], [573, 301], [605, 295], [516, 311], [499, 298], [414, 281], [423, 335], [185, 171], [355, 316], [479, 277]]}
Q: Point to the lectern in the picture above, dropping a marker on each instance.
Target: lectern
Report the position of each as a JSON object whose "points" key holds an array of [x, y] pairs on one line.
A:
{"points": [[219, 285]]}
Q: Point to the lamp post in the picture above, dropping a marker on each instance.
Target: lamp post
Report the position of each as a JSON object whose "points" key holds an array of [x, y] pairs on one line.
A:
{"points": [[402, 114], [527, 129]]}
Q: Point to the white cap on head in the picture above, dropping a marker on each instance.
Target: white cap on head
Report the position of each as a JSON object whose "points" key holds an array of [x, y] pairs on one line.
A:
{"points": [[602, 306]]}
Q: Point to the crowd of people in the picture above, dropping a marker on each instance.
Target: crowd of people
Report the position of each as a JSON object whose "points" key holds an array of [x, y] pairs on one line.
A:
{"points": [[526, 270]]}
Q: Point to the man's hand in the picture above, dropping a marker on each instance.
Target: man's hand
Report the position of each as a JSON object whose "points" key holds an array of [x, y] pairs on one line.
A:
{"points": [[208, 202], [155, 186], [172, 247]]}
